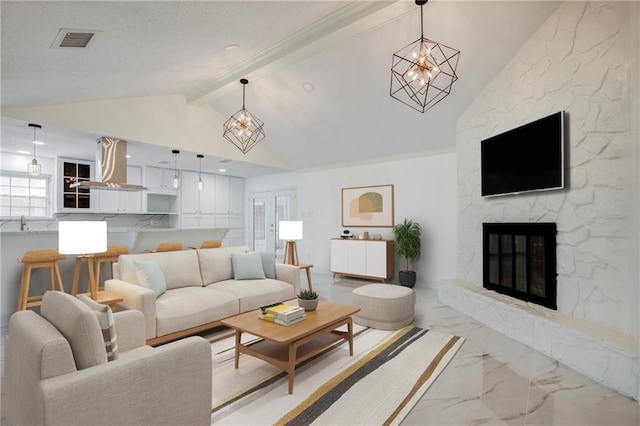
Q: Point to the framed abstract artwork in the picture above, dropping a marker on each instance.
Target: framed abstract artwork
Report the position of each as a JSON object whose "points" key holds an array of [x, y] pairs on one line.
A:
{"points": [[368, 206]]}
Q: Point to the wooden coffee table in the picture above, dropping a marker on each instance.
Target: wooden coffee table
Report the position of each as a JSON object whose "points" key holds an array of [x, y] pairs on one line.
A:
{"points": [[286, 346]]}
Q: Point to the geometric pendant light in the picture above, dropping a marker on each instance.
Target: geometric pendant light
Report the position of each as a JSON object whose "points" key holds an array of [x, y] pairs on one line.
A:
{"points": [[243, 129], [33, 166], [423, 72]]}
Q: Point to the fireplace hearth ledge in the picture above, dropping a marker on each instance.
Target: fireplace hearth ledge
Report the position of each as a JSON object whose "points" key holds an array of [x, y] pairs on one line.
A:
{"points": [[606, 356]]}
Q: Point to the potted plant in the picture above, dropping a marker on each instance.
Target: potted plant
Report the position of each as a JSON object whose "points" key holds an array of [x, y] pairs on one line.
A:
{"points": [[308, 300], [407, 235]]}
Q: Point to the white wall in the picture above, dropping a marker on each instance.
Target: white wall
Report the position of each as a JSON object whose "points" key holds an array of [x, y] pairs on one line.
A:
{"points": [[424, 191], [161, 120], [582, 60]]}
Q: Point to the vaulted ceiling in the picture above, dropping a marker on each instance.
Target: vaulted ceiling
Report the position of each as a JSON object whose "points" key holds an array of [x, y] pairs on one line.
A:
{"points": [[319, 71]]}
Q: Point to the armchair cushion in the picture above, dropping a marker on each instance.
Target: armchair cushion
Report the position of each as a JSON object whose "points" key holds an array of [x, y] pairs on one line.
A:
{"points": [[78, 324], [107, 325]]}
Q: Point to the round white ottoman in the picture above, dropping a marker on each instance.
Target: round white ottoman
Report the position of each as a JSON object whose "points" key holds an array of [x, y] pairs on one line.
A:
{"points": [[384, 306]]}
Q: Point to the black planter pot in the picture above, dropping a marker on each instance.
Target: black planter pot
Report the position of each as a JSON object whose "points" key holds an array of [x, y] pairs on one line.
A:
{"points": [[407, 278]]}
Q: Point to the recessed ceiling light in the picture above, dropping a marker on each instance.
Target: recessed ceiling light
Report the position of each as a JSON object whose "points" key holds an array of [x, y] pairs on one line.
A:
{"points": [[222, 170], [128, 156], [231, 46], [37, 143], [308, 87], [23, 152]]}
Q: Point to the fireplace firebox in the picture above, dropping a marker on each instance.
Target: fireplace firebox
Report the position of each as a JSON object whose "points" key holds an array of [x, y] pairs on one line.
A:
{"points": [[519, 259]]}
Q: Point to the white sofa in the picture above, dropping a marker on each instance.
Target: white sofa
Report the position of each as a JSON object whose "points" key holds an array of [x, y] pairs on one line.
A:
{"points": [[201, 290]]}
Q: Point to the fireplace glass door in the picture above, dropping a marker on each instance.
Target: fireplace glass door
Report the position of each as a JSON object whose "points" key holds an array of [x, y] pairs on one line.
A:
{"points": [[520, 260]]}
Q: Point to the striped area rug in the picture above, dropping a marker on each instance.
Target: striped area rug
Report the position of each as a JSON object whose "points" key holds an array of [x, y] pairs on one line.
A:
{"points": [[379, 384]]}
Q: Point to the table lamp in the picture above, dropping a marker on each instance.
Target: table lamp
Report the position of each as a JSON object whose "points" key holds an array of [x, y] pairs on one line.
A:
{"points": [[290, 231], [83, 238]]}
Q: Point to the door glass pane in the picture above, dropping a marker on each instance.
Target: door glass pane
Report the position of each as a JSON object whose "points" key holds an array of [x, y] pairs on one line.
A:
{"points": [[282, 212], [259, 224]]}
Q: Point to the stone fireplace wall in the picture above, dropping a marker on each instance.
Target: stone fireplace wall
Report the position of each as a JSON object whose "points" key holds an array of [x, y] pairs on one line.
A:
{"points": [[580, 61]]}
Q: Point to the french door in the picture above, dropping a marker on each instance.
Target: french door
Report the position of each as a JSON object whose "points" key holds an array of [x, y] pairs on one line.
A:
{"points": [[267, 210]]}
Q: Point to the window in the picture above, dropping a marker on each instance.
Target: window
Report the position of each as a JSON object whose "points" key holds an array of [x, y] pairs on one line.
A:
{"points": [[22, 194], [75, 198]]}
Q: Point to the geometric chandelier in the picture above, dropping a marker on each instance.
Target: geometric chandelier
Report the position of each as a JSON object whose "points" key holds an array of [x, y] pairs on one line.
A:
{"points": [[244, 129], [423, 72]]}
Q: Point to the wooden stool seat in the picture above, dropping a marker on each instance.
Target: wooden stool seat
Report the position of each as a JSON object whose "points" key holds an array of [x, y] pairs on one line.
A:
{"points": [[209, 244], [167, 247], [33, 259]]}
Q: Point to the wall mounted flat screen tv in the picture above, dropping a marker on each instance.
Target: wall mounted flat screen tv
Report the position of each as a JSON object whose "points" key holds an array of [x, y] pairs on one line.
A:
{"points": [[527, 158]]}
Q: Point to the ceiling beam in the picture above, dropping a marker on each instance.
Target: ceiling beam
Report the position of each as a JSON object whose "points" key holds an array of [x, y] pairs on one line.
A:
{"points": [[330, 30]]}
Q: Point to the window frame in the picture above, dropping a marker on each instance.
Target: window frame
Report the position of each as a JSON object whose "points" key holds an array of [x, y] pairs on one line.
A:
{"points": [[48, 214]]}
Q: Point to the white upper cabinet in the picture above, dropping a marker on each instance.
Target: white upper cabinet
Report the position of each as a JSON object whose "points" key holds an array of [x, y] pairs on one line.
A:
{"points": [[112, 201], [159, 178]]}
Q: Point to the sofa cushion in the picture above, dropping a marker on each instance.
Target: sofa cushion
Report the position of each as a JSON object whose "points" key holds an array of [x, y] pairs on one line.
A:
{"points": [[179, 268], [215, 264], [255, 293], [269, 264], [247, 266], [107, 325], [150, 275], [183, 308], [78, 324]]}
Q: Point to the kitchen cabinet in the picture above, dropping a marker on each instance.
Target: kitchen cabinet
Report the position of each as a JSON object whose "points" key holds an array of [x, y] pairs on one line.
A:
{"points": [[229, 195], [363, 258], [113, 201], [197, 206], [160, 179], [235, 236]]}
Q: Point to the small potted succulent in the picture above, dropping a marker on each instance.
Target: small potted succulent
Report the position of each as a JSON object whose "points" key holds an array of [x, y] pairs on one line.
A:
{"points": [[308, 300]]}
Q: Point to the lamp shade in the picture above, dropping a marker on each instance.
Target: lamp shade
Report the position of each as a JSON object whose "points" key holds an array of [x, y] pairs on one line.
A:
{"points": [[82, 237], [291, 230]]}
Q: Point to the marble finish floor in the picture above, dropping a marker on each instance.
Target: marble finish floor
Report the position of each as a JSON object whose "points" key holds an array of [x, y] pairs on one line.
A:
{"points": [[495, 380]]}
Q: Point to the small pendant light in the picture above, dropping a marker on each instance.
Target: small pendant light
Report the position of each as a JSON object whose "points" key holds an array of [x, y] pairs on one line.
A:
{"points": [[200, 183], [34, 167], [176, 179]]}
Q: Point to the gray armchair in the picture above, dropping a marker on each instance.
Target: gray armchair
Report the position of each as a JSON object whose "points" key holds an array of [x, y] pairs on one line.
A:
{"points": [[53, 376]]}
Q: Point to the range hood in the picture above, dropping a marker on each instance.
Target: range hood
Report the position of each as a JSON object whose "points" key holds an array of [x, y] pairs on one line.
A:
{"points": [[111, 164]]}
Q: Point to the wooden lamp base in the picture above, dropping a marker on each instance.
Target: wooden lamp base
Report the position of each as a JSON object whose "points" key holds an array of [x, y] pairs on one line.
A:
{"points": [[290, 253]]}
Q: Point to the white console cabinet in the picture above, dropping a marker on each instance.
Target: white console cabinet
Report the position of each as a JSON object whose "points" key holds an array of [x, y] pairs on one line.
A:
{"points": [[362, 258]]}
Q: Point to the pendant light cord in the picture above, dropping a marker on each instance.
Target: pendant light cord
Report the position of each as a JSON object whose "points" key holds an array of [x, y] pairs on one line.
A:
{"points": [[421, 22]]}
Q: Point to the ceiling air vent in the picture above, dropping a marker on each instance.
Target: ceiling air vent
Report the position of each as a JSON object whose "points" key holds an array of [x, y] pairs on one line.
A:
{"points": [[75, 38]]}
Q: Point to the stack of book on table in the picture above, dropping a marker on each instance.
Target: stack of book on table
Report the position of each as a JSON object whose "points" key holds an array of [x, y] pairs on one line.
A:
{"points": [[281, 313]]}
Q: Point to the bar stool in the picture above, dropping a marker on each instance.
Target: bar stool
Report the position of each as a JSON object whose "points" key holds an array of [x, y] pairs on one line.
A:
{"points": [[109, 256], [167, 247], [33, 259]]}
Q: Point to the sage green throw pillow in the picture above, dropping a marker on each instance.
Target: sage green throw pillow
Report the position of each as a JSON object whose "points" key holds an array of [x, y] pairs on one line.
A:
{"points": [[247, 266], [150, 275]]}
